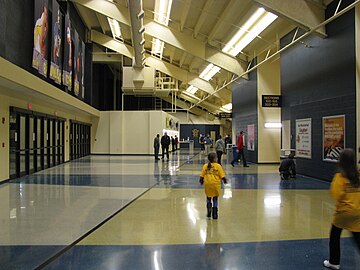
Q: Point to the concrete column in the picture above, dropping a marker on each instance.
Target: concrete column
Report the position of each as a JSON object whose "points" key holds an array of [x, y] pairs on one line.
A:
{"points": [[357, 55], [269, 140]]}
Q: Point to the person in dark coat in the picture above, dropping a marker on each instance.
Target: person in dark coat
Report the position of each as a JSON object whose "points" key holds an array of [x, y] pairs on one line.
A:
{"points": [[156, 147], [288, 168], [165, 142]]}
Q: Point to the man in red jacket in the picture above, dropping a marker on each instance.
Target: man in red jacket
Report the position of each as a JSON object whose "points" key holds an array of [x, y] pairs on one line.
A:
{"points": [[240, 150]]}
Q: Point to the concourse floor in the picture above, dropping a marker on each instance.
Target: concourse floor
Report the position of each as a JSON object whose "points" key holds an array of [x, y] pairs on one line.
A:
{"points": [[127, 212]]}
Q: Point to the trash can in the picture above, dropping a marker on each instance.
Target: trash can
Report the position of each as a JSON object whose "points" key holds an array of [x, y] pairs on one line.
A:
{"points": [[235, 153]]}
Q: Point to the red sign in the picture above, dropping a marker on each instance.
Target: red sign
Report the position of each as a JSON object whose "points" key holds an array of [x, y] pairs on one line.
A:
{"points": [[29, 106]]}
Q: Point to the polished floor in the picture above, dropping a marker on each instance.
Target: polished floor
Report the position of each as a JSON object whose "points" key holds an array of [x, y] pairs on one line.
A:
{"points": [[121, 212]]}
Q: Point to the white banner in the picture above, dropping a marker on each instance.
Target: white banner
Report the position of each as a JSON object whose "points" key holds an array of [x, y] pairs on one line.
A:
{"points": [[251, 137], [303, 138]]}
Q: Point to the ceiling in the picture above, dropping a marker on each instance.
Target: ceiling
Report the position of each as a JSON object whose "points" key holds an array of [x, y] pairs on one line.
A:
{"points": [[195, 36]]}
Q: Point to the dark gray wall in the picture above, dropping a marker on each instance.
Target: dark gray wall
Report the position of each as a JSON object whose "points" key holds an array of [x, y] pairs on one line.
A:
{"points": [[244, 98], [17, 40], [186, 131], [319, 81]]}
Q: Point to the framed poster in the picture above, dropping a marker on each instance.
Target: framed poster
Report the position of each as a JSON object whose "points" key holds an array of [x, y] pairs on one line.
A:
{"points": [[251, 137], [303, 138], [41, 37], [333, 137], [56, 45], [68, 55]]}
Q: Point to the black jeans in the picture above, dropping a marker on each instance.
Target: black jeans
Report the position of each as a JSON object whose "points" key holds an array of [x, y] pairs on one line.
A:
{"points": [[334, 244], [240, 155], [219, 154], [165, 148]]}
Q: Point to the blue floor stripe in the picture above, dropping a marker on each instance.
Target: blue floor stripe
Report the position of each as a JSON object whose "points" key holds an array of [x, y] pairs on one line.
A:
{"points": [[238, 181], [275, 255]]}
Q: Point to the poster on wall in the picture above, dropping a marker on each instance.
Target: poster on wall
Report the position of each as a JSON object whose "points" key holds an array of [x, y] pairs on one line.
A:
{"points": [[303, 138], [333, 137], [77, 63], [68, 55], [251, 137], [82, 69], [41, 36], [56, 51]]}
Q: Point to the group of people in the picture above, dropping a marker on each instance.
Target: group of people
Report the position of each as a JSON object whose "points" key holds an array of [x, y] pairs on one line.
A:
{"points": [[345, 189], [165, 142]]}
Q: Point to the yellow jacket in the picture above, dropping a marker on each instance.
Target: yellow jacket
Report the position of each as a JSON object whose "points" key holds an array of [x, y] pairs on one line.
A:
{"points": [[212, 179], [347, 213]]}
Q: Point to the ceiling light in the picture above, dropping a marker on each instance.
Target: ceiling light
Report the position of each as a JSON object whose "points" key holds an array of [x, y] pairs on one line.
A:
{"points": [[192, 89], [257, 23], [162, 11], [273, 125], [227, 107], [209, 72], [157, 47], [115, 28]]}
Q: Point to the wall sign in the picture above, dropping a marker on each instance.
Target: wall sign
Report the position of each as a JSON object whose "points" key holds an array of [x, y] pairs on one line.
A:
{"points": [[333, 137], [303, 138], [225, 115], [271, 101]]}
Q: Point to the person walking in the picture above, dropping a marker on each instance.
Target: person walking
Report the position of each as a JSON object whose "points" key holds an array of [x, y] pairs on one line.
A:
{"points": [[165, 142], [156, 147], [219, 148], [176, 142], [172, 144], [211, 176], [208, 143], [240, 150], [345, 189]]}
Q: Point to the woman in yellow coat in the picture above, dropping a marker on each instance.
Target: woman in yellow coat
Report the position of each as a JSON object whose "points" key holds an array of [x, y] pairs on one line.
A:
{"points": [[345, 189], [211, 175]]}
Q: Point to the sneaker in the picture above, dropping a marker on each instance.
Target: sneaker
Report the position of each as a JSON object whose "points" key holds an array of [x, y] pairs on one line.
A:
{"points": [[232, 164], [331, 266]]}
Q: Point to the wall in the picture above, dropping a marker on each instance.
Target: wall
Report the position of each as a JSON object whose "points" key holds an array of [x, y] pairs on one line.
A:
{"points": [[317, 81], [245, 110], [186, 131], [269, 140], [128, 132]]}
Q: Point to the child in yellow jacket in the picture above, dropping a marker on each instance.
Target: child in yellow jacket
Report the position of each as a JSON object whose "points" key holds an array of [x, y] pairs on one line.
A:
{"points": [[345, 189], [211, 175]]}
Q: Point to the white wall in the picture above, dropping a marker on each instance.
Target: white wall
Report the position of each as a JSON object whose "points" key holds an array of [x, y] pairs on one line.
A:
{"points": [[268, 139], [128, 132]]}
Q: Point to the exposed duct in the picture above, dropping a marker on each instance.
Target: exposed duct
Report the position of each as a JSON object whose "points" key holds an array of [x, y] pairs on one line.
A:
{"points": [[137, 32]]}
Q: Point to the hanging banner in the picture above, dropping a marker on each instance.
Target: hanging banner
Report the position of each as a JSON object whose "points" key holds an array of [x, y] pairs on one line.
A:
{"points": [[251, 137], [303, 138], [77, 63], [68, 55], [82, 69], [56, 51], [41, 33], [333, 137]]}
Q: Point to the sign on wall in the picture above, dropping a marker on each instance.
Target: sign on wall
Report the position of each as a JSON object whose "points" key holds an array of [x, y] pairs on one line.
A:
{"points": [[41, 35], [56, 45], [333, 137], [271, 101], [224, 115], [251, 137], [303, 138]]}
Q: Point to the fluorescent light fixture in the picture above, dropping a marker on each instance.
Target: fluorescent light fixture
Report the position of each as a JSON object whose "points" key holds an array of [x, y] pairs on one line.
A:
{"points": [[227, 107], [162, 11], [157, 47], [209, 72], [257, 23], [192, 89], [115, 28], [273, 125]]}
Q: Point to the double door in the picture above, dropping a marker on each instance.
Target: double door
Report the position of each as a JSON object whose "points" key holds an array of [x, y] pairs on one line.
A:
{"points": [[36, 142], [79, 139]]}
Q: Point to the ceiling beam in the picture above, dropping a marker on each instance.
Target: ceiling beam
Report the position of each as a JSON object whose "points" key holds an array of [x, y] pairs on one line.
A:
{"points": [[167, 68], [170, 36], [103, 22], [184, 14], [220, 22], [106, 58], [204, 14], [303, 13], [182, 59]]}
